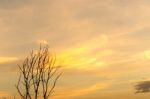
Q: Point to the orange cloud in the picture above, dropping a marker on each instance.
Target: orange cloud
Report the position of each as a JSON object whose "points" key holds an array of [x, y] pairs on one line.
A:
{"points": [[4, 94], [82, 91]]}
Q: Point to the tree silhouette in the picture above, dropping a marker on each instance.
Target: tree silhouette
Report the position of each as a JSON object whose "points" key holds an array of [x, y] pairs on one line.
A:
{"points": [[38, 75]]}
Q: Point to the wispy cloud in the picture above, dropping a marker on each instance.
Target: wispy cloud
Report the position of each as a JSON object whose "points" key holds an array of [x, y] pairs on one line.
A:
{"points": [[76, 92], [7, 59]]}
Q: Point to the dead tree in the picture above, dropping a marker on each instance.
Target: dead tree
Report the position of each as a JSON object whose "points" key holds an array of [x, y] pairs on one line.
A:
{"points": [[38, 75]]}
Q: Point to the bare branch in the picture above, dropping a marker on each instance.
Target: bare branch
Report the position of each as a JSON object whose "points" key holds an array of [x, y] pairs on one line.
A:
{"points": [[37, 72]]}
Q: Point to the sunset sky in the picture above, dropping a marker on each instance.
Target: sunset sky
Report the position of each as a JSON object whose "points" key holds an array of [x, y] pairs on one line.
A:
{"points": [[103, 45]]}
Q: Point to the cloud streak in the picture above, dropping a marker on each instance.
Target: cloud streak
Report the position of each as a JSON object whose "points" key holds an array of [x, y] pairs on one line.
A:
{"points": [[7, 59]]}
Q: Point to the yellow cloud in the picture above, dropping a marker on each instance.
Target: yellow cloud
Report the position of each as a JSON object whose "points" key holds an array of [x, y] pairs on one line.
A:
{"points": [[147, 54], [7, 59], [143, 55], [42, 42], [86, 55]]}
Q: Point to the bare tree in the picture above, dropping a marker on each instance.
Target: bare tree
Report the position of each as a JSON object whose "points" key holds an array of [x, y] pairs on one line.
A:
{"points": [[38, 75]]}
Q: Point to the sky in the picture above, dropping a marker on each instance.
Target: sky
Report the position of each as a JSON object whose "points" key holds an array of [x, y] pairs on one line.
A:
{"points": [[103, 45]]}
